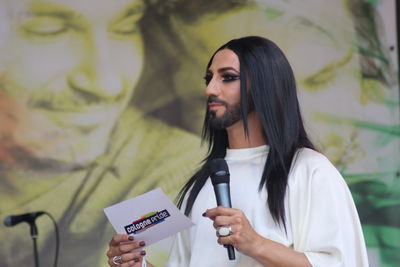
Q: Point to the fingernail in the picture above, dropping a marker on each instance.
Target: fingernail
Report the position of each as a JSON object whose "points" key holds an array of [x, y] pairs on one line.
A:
{"points": [[142, 243], [204, 214], [131, 238], [142, 252], [136, 260]]}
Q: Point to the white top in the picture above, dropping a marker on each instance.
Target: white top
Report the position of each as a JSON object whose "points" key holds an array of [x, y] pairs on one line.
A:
{"points": [[321, 218]]}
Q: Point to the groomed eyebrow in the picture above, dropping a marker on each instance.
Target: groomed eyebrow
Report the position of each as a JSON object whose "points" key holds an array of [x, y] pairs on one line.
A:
{"points": [[220, 70]]}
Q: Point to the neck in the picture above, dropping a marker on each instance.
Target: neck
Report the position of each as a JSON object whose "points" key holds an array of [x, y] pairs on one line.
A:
{"points": [[237, 138]]}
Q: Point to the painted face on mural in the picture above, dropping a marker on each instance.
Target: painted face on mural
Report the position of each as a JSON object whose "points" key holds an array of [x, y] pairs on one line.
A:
{"points": [[70, 70]]}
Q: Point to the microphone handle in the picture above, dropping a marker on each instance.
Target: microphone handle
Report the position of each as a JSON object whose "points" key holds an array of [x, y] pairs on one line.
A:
{"points": [[231, 252], [222, 195], [224, 199]]}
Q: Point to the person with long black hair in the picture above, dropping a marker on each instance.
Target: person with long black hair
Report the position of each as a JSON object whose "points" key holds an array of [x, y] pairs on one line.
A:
{"points": [[291, 207]]}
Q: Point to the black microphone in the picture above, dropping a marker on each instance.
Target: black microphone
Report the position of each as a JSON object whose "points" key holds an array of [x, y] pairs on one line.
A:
{"points": [[12, 220], [219, 173]]}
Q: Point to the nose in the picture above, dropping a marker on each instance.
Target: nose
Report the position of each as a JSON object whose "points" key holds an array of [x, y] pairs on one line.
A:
{"points": [[95, 75], [212, 88]]}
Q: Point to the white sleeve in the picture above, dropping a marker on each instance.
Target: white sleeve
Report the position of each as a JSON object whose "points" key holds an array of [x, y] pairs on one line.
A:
{"points": [[324, 219], [180, 251]]}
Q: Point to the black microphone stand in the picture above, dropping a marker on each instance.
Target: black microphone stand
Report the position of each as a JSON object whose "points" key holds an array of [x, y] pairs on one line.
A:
{"points": [[34, 235]]}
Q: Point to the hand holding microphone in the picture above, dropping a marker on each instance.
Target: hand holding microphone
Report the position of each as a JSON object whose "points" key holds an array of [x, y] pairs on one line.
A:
{"points": [[233, 228], [219, 174]]}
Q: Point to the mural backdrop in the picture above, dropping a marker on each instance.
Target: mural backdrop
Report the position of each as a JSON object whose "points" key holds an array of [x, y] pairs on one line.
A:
{"points": [[103, 100]]}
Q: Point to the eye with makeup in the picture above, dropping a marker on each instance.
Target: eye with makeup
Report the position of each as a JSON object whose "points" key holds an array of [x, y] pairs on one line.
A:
{"points": [[225, 77], [228, 77]]}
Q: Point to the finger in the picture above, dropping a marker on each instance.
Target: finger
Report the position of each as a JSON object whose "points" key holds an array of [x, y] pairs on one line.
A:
{"points": [[133, 256], [232, 231], [223, 221], [124, 248], [132, 263], [115, 251], [226, 240], [128, 247], [237, 219], [129, 259], [219, 211], [111, 262], [118, 238]]}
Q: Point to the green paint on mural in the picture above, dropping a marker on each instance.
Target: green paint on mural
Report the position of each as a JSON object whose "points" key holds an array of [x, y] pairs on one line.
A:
{"points": [[374, 3], [371, 54], [273, 13], [321, 79], [387, 129], [358, 177]]}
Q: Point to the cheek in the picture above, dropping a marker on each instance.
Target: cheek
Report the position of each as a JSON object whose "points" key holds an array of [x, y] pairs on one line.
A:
{"points": [[31, 65], [127, 59], [232, 93]]}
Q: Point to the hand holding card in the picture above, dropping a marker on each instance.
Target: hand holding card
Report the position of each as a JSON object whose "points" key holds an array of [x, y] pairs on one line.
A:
{"points": [[150, 217]]}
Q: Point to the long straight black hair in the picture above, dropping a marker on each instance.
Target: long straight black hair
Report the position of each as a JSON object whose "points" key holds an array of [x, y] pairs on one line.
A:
{"points": [[267, 79]]}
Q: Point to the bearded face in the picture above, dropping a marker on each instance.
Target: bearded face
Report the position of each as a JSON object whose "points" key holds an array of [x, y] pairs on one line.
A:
{"points": [[231, 115]]}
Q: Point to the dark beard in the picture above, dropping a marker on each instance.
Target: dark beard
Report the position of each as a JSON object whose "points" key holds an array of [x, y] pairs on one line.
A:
{"points": [[230, 117]]}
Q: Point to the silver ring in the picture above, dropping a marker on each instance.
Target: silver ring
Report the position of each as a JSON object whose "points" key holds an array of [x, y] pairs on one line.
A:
{"points": [[117, 260], [224, 231]]}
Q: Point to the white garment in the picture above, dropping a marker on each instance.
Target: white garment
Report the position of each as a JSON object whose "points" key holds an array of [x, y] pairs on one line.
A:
{"points": [[321, 218]]}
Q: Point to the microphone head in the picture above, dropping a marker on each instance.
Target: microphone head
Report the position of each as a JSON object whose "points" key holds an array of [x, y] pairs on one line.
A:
{"points": [[8, 221], [12, 220], [219, 171]]}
